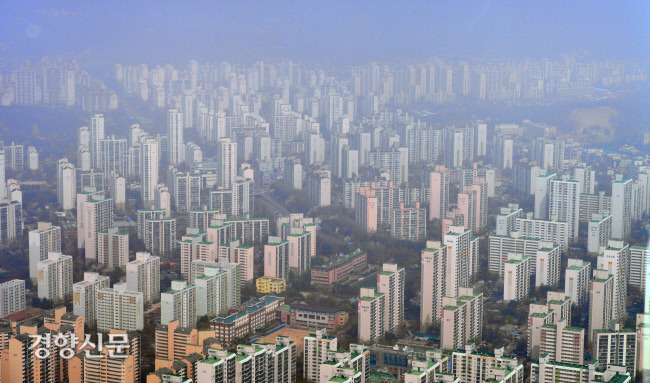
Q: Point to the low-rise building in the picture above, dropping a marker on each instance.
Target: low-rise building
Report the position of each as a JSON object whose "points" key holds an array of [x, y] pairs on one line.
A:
{"points": [[266, 285], [313, 317], [251, 316], [340, 269]]}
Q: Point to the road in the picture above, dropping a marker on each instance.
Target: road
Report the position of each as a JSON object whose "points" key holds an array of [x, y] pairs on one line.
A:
{"points": [[279, 210], [276, 208]]}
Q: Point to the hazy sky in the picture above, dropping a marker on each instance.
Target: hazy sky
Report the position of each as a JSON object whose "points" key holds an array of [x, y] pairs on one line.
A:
{"points": [[338, 31]]}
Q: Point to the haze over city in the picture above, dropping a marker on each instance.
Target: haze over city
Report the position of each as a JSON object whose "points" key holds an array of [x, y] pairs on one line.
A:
{"points": [[335, 32], [331, 192]]}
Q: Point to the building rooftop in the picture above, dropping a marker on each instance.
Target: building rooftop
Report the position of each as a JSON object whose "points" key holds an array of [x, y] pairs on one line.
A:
{"points": [[245, 219], [325, 309], [248, 307], [346, 258], [608, 331]]}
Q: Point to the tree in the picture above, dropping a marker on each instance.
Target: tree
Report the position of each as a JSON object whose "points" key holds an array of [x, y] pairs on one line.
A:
{"points": [[521, 348], [135, 244], [203, 323], [401, 332], [44, 303], [116, 275]]}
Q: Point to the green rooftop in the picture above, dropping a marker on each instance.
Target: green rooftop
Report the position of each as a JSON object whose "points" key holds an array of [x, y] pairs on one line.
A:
{"points": [[369, 299], [242, 357], [211, 360]]}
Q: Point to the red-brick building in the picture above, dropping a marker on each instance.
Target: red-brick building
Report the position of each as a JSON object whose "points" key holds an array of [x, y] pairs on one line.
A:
{"points": [[249, 317], [339, 270]]}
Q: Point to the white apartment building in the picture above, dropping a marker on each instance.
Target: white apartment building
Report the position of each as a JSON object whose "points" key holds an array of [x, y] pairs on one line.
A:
{"points": [[542, 192], [563, 343], [462, 318], [12, 297], [94, 214], [185, 190], [160, 235], [390, 282], [42, 240], [32, 158], [639, 267], [469, 365], [516, 277], [557, 308], [462, 258], [507, 219], [615, 258], [439, 181], [621, 207], [501, 246], [66, 184], [546, 370], [227, 159], [211, 292], [371, 315], [319, 186], [547, 268], [576, 281], [149, 168], [143, 275], [225, 288], [195, 246], [179, 303], [55, 277], [316, 347], [301, 244], [242, 255], [276, 258], [616, 346], [599, 231], [112, 248], [119, 309], [84, 295], [175, 142], [564, 204], [96, 137], [162, 199], [601, 301], [549, 231], [433, 285]]}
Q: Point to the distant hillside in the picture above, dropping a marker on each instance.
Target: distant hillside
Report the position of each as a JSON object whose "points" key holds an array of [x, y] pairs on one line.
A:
{"points": [[51, 131], [54, 131]]}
